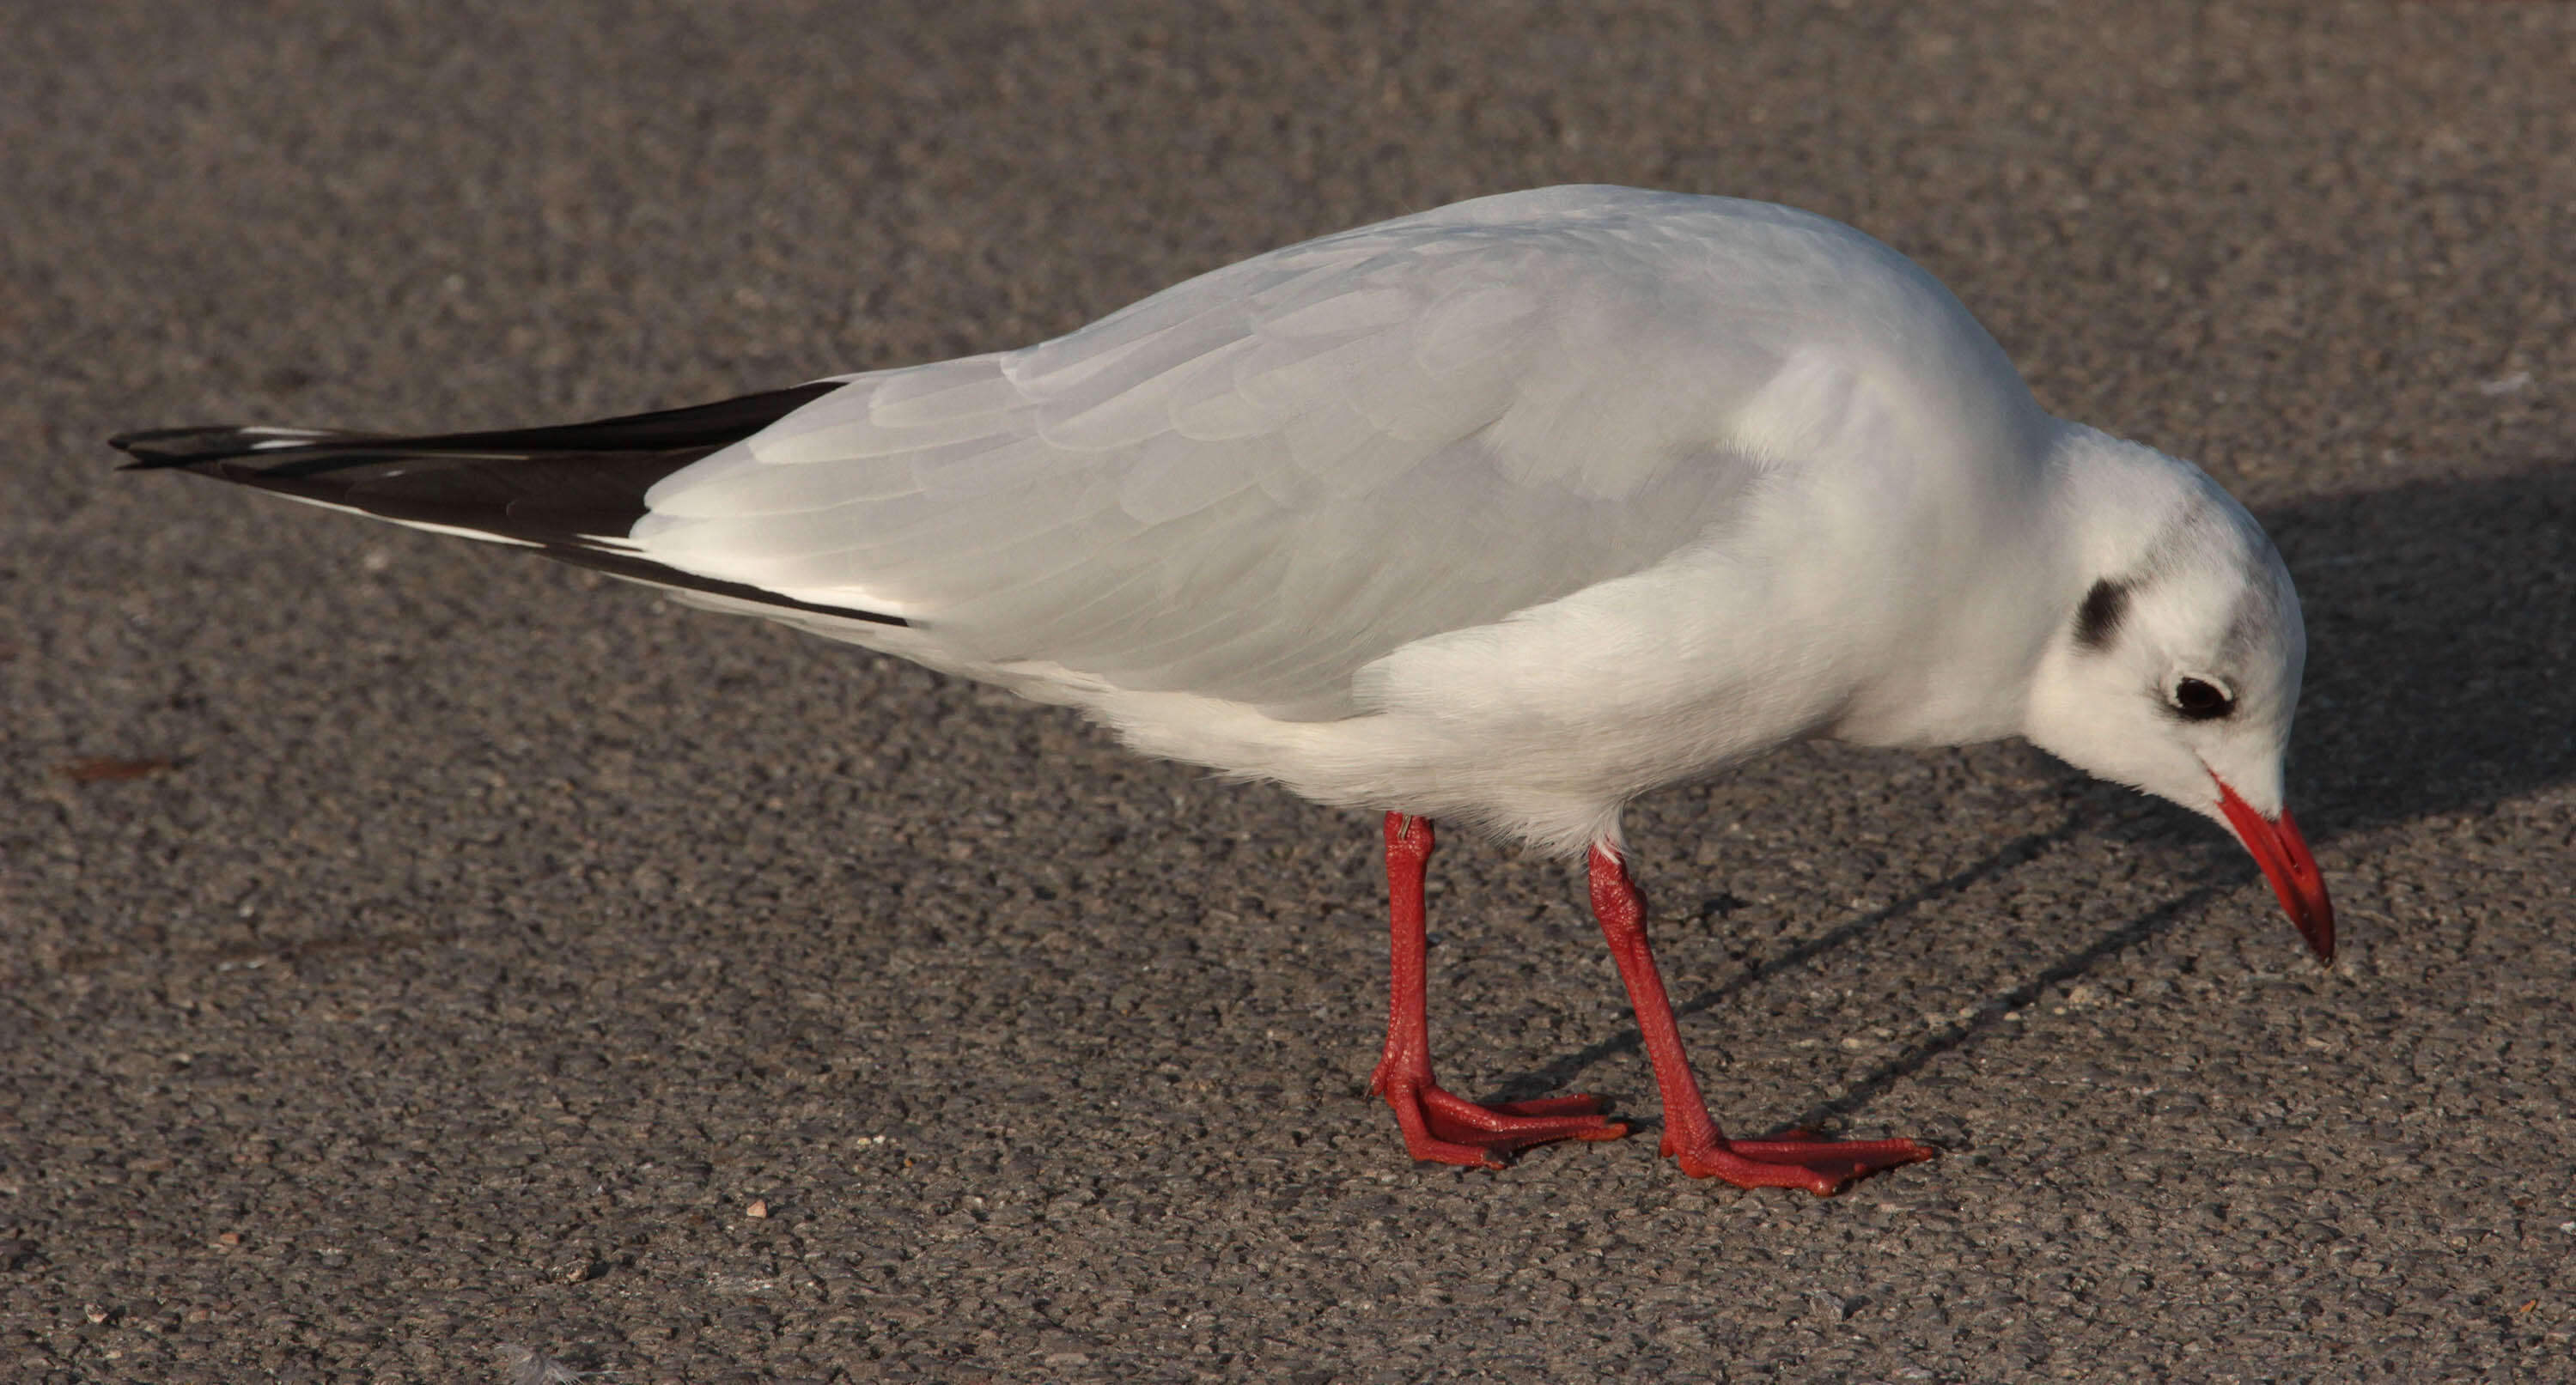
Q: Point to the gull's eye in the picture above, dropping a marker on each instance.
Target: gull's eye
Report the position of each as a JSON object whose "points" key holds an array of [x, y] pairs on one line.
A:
{"points": [[2202, 701]]}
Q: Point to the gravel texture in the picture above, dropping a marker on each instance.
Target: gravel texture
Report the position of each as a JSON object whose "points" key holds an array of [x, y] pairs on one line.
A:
{"points": [[417, 958]]}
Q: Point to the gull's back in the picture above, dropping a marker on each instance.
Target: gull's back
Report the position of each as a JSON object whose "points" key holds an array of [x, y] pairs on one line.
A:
{"points": [[1256, 483]]}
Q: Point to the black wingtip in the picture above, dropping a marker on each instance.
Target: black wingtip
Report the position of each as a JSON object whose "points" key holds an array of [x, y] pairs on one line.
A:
{"points": [[156, 448], [134, 461], [142, 461], [570, 491], [140, 442]]}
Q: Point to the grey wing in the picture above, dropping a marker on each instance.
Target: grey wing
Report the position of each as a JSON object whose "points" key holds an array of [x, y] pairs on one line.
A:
{"points": [[1253, 484]]}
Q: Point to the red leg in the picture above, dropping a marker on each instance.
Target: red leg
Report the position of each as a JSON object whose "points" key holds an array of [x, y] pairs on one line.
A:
{"points": [[1800, 1160], [1438, 1126]]}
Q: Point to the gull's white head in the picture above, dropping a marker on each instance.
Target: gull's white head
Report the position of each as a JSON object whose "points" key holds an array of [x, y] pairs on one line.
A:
{"points": [[2177, 670]]}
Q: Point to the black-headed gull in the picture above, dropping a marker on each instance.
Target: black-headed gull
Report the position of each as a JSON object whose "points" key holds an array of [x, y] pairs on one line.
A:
{"points": [[1507, 512]]}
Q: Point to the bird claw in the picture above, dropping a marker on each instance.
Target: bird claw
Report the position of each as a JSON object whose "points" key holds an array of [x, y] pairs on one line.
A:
{"points": [[1446, 1129], [1797, 1159]]}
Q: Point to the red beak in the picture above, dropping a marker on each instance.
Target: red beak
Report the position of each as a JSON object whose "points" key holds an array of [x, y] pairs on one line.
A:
{"points": [[2283, 854]]}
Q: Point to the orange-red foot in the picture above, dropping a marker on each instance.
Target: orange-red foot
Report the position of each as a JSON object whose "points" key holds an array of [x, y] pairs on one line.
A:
{"points": [[1797, 1160], [1449, 1129]]}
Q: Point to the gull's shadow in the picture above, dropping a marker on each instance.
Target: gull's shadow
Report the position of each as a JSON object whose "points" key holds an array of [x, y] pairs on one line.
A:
{"points": [[2441, 647], [2441, 679], [1560, 1074], [1989, 1017]]}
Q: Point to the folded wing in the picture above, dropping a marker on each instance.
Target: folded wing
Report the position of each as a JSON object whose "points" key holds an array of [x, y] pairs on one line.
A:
{"points": [[1253, 484]]}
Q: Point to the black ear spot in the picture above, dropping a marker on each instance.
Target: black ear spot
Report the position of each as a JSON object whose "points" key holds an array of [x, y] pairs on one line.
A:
{"points": [[2098, 619]]}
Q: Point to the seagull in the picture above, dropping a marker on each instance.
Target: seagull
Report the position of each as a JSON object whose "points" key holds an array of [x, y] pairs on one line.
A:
{"points": [[1503, 514]]}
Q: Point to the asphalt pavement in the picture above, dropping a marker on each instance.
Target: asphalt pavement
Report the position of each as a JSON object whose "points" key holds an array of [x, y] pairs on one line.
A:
{"points": [[418, 962]]}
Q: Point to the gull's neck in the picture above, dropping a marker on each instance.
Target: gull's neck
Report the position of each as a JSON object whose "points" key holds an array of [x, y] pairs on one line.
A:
{"points": [[2090, 505]]}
